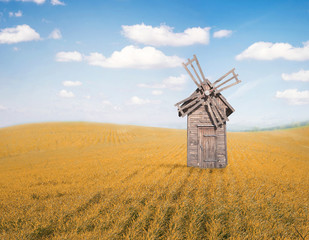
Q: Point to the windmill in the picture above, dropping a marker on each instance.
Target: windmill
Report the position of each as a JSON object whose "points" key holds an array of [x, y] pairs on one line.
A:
{"points": [[207, 112]]}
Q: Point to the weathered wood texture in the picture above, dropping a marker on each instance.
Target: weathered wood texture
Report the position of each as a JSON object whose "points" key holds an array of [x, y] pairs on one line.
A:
{"points": [[207, 112], [206, 142]]}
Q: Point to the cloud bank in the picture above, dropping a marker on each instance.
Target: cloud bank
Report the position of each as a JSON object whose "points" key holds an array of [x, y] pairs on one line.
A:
{"points": [[66, 94], [302, 75], [57, 2], [69, 57], [164, 35], [35, 1], [294, 97], [71, 83], [271, 51], [134, 57], [222, 33], [20, 33]]}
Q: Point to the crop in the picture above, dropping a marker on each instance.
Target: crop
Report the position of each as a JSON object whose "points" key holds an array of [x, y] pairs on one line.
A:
{"points": [[104, 181]]}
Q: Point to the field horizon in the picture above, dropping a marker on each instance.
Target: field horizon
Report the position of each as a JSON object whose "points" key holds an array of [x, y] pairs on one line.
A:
{"points": [[73, 180], [251, 129]]}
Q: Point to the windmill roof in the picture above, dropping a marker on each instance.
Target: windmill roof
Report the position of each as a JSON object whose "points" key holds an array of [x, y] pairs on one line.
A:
{"points": [[229, 109]]}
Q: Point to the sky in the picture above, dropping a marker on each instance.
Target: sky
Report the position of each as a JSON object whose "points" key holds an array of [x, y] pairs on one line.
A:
{"points": [[120, 61]]}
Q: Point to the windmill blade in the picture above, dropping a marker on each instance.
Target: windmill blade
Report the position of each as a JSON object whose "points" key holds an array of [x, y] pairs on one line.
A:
{"points": [[222, 114], [197, 104], [223, 76], [200, 69], [216, 87], [196, 73], [228, 86], [217, 116], [189, 104], [211, 113], [188, 71], [217, 110], [199, 76], [193, 96]]}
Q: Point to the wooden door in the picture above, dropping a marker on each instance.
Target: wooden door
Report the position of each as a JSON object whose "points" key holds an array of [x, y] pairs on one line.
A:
{"points": [[207, 146]]}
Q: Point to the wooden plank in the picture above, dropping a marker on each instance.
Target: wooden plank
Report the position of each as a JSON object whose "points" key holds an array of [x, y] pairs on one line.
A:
{"points": [[225, 82], [222, 98], [226, 162], [207, 125], [223, 116], [188, 71], [196, 74], [195, 118], [193, 96], [236, 76], [200, 69], [193, 125], [223, 76], [192, 108], [214, 109], [228, 86], [189, 61], [192, 129], [191, 103], [212, 115]]}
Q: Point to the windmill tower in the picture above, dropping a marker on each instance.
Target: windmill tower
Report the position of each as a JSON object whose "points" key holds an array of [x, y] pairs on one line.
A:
{"points": [[207, 112]]}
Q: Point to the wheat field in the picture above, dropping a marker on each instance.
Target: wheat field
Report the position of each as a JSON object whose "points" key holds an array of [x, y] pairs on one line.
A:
{"points": [[104, 181]]}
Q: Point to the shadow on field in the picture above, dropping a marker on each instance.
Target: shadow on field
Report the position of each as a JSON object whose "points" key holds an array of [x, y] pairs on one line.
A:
{"points": [[168, 165]]}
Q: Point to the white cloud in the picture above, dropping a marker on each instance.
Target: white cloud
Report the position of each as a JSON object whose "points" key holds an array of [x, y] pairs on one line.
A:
{"points": [[66, 94], [55, 34], [69, 57], [57, 2], [16, 14], [156, 92], [35, 1], [164, 35], [15, 49], [138, 101], [71, 83], [2, 108], [271, 51], [174, 83], [222, 33], [134, 57], [294, 97], [21, 33], [302, 75]]}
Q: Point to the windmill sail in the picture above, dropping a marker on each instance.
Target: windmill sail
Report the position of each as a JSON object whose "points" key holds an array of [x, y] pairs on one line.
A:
{"points": [[207, 93]]}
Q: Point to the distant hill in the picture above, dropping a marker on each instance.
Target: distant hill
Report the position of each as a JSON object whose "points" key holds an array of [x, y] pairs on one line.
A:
{"points": [[286, 126]]}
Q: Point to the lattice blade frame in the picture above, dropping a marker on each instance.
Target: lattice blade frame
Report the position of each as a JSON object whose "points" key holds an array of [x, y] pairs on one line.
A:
{"points": [[197, 76], [217, 84]]}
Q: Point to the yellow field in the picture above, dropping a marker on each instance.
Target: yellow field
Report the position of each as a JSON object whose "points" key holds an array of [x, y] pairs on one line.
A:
{"points": [[101, 181]]}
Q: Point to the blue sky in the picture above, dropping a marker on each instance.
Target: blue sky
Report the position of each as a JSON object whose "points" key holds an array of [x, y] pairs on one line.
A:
{"points": [[119, 61]]}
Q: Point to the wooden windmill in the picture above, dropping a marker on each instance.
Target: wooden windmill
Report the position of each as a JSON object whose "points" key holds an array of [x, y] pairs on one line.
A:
{"points": [[207, 112]]}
